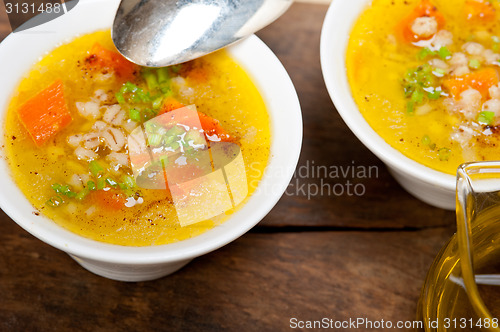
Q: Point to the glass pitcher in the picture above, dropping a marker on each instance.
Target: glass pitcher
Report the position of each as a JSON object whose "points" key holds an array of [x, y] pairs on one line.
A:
{"points": [[462, 288]]}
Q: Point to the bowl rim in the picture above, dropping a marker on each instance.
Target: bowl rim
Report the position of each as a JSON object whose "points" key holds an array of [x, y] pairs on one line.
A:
{"points": [[338, 23], [259, 62]]}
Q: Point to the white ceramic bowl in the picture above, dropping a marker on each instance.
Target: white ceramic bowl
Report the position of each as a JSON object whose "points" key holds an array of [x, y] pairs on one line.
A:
{"points": [[21, 50], [433, 187]]}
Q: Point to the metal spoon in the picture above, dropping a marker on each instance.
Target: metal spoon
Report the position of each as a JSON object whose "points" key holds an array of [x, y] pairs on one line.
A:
{"points": [[158, 33]]}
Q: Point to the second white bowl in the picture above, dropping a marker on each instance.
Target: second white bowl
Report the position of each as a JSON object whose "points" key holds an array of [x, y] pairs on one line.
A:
{"points": [[433, 187]]}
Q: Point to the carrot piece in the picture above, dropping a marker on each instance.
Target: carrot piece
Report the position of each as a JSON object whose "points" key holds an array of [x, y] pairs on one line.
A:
{"points": [[198, 74], [209, 125], [45, 114], [212, 127], [481, 80], [170, 104], [101, 58], [479, 11], [425, 8], [108, 200]]}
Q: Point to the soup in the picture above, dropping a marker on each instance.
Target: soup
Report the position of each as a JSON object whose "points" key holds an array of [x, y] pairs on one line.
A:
{"points": [[68, 136], [424, 75]]}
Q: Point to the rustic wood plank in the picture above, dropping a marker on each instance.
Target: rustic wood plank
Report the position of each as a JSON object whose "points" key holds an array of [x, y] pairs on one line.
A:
{"points": [[256, 283]]}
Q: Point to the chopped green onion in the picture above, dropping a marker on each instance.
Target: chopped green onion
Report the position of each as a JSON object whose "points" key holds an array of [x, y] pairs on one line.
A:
{"points": [[171, 135], [434, 95], [408, 89], [175, 131], [163, 75], [154, 140], [134, 115], [167, 140], [424, 53], [95, 168], [444, 53], [426, 140], [486, 117], [82, 194], [419, 77], [144, 97], [134, 98], [417, 96], [119, 97], [196, 137], [164, 80], [91, 185], [410, 107], [444, 154], [495, 39], [151, 127], [65, 190], [57, 187], [101, 183], [151, 80], [111, 182], [439, 72], [55, 201], [131, 87], [128, 181], [157, 102], [474, 63]]}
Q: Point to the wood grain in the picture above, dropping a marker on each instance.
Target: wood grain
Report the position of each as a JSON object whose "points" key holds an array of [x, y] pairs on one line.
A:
{"points": [[257, 283]]}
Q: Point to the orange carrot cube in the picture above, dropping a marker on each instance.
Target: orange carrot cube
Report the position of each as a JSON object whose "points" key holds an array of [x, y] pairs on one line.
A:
{"points": [[424, 9], [45, 114], [101, 57], [481, 80]]}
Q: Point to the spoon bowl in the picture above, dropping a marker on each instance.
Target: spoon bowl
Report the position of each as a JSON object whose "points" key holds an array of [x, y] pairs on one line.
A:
{"points": [[159, 33]]}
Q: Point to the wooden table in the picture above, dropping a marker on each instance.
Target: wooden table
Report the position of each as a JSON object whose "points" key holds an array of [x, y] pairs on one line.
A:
{"points": [[337, 257]]}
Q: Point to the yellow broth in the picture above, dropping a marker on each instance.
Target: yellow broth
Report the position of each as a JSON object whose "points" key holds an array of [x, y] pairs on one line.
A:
{"points": [[377, 62], [226, 94]]}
